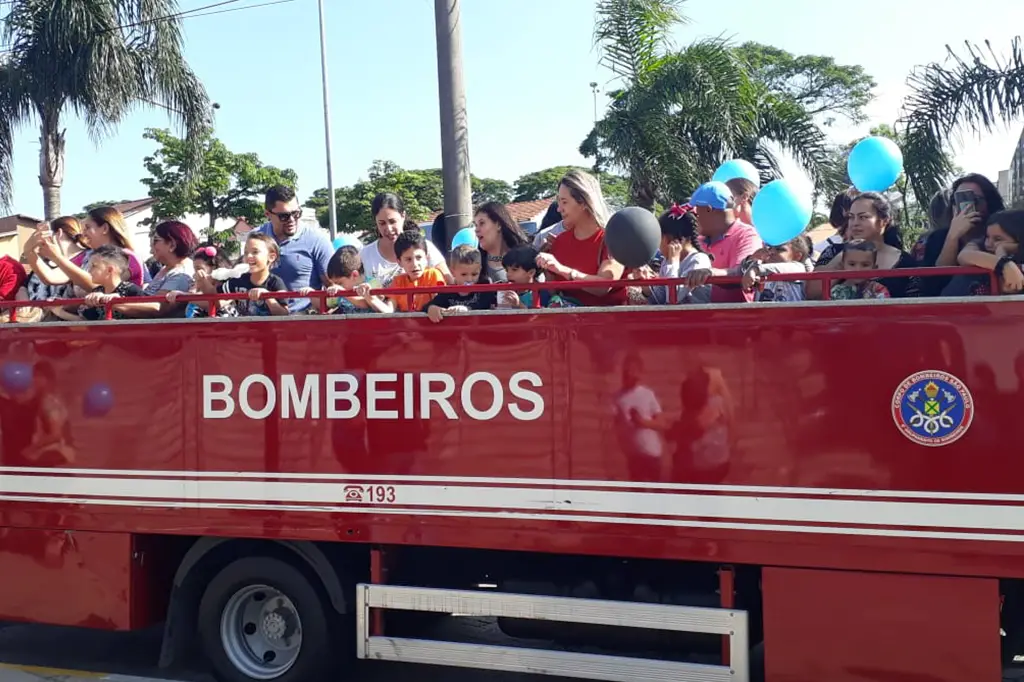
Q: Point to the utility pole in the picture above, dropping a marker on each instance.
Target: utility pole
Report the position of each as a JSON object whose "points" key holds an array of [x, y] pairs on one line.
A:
{"points": [[593, 88], [458, 194], [332, 209]]}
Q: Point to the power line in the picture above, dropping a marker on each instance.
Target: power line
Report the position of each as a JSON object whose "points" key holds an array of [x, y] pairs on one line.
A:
{"points": [[182, 15]]}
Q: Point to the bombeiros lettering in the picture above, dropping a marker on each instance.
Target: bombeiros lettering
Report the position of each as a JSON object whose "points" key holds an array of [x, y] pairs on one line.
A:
{"points": [[480, 396]]}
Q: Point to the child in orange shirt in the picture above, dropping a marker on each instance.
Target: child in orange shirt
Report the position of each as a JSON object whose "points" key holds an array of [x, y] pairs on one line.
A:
{"points": [[411, 251]]}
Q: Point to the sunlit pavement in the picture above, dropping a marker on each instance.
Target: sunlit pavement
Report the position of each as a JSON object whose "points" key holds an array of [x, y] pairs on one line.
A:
{"points": [[30, 653], [16, 673]]}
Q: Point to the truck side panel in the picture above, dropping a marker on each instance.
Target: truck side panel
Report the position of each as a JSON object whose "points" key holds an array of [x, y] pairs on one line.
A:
{"points": [[810, 470], [66, 577], [848, 626]]}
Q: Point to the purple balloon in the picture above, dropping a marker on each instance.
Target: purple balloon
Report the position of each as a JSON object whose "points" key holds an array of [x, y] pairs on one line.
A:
{"points": [[16, 377], [99, 400]]}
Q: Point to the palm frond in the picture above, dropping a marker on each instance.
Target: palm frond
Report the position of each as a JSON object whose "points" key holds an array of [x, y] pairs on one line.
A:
{"points": [[632, 34], [972, 94], [101, 59], [8, 117], [785, 122]]}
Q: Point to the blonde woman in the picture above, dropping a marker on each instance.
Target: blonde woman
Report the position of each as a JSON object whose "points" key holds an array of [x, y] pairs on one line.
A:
{"points": [[103, 225], [579, 253]]}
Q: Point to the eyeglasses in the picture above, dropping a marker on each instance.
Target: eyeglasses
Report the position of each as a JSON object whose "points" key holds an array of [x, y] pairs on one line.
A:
{"points": [[288, 216]]}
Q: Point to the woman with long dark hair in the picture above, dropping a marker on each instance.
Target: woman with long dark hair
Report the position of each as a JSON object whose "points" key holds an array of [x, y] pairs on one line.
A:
{"points": [[870, 219], [380, 264], [999, 251], [497, 233]]}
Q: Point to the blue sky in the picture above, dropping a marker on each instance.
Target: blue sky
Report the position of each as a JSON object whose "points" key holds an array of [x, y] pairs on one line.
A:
{"points": [[528, 65]]}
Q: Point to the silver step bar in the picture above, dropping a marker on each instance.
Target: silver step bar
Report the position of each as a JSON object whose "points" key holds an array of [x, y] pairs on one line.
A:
{"points": [[726, 622]]}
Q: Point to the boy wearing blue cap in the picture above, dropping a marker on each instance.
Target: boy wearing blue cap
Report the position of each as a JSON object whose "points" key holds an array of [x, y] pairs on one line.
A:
{"points": [[727, 239]]}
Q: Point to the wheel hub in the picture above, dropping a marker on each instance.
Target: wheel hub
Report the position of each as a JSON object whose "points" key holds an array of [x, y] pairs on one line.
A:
{"points": [[261, 632], [274, 625]]}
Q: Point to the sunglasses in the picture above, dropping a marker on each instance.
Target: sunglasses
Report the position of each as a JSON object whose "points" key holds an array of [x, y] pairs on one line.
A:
{"points": [[288, 216]]}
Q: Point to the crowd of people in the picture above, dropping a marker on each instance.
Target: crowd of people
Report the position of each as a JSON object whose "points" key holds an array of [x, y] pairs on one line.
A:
{"points": [[709, 236]]}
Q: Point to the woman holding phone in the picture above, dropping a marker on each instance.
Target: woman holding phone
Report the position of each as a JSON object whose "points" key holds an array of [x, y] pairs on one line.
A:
{"points": [[973, 198]]}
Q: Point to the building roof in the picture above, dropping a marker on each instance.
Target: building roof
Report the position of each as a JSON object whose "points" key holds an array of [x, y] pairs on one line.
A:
{"points": [[127, 208], [12, 222], [521, 211]]}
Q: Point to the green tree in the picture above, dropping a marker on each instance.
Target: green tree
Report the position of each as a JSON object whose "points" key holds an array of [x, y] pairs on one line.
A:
{"points": [[544, 183], [230, 185], [818, 84], [679, 114], [422, 191], [490, 189], [99, 59], [971, 94]]}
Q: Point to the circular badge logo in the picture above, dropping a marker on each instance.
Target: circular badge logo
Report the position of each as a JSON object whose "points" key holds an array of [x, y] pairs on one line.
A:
{"points": [[933, 408]]}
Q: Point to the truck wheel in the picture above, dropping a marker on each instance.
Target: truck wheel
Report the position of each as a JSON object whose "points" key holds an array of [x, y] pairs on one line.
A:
{"points": [[261, 619]]}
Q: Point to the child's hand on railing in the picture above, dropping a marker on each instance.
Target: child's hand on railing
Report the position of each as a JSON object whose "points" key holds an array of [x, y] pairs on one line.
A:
{"points": [[360, 290], [257, 293], [751, 278], [98, 298], [172, 296]]}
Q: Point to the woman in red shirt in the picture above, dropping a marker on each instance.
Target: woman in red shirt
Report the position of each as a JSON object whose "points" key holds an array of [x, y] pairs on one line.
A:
{"points": [[579, 254]]}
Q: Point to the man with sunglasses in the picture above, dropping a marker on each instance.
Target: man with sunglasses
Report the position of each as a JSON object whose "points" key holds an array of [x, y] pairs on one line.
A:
{"points": [[305, 252]]}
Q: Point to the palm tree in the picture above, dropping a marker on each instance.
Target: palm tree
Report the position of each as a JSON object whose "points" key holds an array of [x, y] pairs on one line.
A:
{"points": [[972, 94], [97, 59], [679, 115]]}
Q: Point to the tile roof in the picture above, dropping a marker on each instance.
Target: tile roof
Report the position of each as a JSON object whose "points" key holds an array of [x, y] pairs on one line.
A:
{"points": [[528, 210], [129, 207], [10, 223], [521, 211]]}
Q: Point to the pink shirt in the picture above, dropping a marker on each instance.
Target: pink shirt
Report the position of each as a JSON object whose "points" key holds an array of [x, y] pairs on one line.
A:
{"points": [[728, 252], [135, 266]]}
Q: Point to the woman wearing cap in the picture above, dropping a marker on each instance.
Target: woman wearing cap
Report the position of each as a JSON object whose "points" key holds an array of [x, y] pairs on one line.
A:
{"points": [[579, 254]]}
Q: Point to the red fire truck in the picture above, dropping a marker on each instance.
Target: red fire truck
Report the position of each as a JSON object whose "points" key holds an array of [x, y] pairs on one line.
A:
{"points": [[809, 492]]}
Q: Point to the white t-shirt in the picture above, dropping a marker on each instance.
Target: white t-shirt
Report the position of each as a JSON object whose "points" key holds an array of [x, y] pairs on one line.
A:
{"points": [[640, 440], [379, 271], [542, 235]]}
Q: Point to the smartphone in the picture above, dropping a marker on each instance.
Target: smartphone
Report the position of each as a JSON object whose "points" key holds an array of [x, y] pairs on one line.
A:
{"points": [[964, 201]]}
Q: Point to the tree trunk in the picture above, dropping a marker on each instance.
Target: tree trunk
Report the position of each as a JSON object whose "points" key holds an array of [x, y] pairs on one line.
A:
{"points": [[51, 163]]}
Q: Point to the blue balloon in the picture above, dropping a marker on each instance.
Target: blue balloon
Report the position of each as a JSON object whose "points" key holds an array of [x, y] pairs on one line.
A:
{"points": [[874, 164], [16, 377], [99, 400], [345, 239], [737, 168], [466, 236], [780, 212]]}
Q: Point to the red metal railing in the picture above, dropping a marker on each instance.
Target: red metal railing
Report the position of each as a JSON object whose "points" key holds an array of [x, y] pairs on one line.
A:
{"points": [[321, 297]]}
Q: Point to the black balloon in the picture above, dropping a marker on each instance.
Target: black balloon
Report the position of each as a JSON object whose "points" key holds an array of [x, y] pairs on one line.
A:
{"points": [[633, 236]]}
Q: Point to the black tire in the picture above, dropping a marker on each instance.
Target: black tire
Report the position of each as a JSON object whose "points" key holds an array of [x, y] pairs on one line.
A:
{"points": [[757, 663], [315, 658]]}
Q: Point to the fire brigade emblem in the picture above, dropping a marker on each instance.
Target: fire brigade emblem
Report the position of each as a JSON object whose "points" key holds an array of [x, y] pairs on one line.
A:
{"points": [[933, 408]]}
